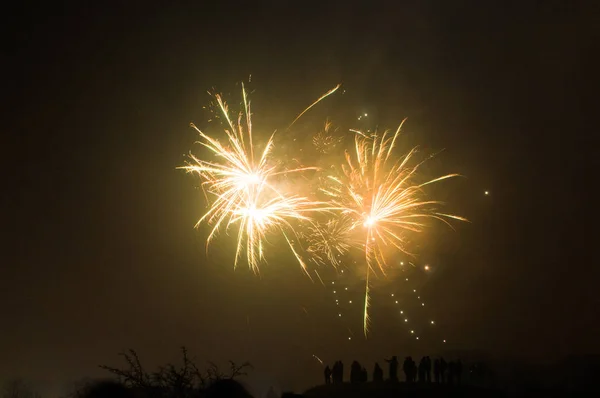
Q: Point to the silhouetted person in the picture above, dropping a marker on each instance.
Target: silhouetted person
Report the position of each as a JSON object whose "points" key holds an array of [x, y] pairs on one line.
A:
{"points": [[451, 372], [334, 372], [377, 373], [227, 388], [422, 369], [459, 368], [355, 372], [407, 368], [327, 374], [428, 369], [108, 389], [436, 370], [364, 375], [443, 367], [338, 372], [393, 368], [413, 370]]}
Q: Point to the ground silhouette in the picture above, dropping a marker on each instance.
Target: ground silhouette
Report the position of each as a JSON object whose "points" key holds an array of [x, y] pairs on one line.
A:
{"points": [[389, 389]]}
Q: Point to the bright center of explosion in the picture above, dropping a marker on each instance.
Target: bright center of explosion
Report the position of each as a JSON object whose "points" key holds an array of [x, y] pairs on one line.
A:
{"points": [[258, 216], [248, 180], [252, 179], [369, 221]]}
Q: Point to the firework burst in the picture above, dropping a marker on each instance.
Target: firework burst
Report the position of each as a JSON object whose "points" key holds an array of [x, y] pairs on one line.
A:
{"points": [[380, 195], [242, 184]]}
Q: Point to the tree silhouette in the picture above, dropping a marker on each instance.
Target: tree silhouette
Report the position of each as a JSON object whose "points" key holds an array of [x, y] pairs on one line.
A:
{"points": [[182, 381]]}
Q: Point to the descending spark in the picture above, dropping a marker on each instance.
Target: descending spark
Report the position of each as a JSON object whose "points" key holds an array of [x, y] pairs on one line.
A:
{"points": [[366, 309], [380, 195], [318, 359], [242, 183]]}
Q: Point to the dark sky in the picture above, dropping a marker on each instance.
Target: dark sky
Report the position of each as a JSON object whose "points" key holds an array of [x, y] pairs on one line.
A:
{"points": [[99, 252]]}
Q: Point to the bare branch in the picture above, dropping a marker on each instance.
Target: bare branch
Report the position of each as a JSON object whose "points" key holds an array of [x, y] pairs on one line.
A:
{"points": [[183, 381]]}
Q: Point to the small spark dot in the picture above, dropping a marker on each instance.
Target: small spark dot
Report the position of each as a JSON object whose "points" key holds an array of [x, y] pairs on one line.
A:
{"points": [[417, 337], [422, 304], [339, 314], [365, 115], [396, 301], [392, 294], [334, 292], [407, 279], [333, 283], [346, 288], [349, 338], [432, 322], [401, 262], [405, 319], [444, 341], [414, 290], [427, 268], [412, 332], [350, 301], [402, 312], [486, 193]]}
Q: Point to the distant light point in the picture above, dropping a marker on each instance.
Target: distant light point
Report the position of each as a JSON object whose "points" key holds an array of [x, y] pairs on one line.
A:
{"points": [[426, 268], [486, 193], [432, 322]]}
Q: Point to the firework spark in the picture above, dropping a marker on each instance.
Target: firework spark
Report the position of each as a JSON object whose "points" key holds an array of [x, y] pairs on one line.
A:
{"points": [[242, 183], [330, 241], [326, 141], [379, 194]]}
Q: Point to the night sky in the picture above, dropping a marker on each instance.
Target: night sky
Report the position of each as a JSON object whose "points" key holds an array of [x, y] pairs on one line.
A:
{"points": [[99, 251]]}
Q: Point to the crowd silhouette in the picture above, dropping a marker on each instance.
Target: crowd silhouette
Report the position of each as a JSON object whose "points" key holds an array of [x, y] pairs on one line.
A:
{"points": [[443, 372]]}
